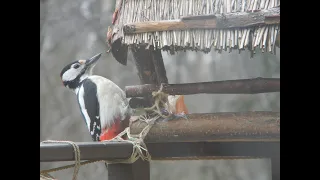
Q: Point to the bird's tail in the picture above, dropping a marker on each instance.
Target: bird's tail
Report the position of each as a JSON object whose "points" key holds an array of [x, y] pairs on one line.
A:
{"points": [[116, 128]]}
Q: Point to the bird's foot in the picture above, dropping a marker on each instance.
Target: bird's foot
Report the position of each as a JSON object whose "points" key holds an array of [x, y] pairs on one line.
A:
{"points": [[181, 115], [165, 112], [173, 116]]}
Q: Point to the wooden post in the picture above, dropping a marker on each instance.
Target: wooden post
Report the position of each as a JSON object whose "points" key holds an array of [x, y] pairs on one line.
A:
{"points": [[145, 60], [139, 170], [145, 67], [275, 167], [150, 67], [159, 66], [151, 70], [120, 171]]}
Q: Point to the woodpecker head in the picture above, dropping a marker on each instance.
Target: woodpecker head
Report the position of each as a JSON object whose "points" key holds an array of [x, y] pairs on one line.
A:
{"points": [[74, 73]]}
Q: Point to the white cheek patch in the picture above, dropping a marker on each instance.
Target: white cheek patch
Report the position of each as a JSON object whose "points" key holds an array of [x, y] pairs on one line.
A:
{"points": [[71, 74]]}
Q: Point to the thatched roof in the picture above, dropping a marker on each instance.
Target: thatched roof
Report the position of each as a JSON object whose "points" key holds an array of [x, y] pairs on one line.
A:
{"points": [[261, 35]]}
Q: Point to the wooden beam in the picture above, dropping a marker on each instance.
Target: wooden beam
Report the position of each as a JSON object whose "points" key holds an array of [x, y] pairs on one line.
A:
{"points": [[215, 127], [89, 151], [240, 149], [217, 21], [216, 134], [241, 86], [202, 150]]}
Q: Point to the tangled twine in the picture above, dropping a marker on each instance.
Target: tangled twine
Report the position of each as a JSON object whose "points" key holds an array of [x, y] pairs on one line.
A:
{"points": [[160, 99]]}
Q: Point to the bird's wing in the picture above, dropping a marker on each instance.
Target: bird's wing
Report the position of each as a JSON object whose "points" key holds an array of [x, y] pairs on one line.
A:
{"points": [[92, 107], [113, 102]]}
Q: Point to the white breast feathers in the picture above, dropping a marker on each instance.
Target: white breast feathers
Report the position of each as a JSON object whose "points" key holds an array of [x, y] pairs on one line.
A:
{"points": [[112, 101]]}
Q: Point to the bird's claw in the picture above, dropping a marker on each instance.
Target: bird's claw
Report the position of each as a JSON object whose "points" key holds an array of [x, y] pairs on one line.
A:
{"points": [[181, 115], [173, 116], [164, 112]]}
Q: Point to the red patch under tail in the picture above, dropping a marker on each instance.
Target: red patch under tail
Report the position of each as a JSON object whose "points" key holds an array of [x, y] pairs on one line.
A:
{"points": [[115, 129]]}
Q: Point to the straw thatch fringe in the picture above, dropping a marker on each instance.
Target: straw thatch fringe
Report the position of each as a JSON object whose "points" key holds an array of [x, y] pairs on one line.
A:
{"points": [[262, 37]]}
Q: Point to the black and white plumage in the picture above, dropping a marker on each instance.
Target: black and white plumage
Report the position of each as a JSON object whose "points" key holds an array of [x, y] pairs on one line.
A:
{"points": [[89, 106], [103, 104]]}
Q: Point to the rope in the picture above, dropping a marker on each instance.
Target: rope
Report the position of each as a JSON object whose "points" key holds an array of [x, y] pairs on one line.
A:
{"points": [[76, 155], [139, 147], [160, 99], [139, 150], [46, 176]]}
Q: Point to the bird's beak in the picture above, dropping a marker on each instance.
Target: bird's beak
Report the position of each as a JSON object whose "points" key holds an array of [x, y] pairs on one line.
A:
{"points": [[92, 61]]}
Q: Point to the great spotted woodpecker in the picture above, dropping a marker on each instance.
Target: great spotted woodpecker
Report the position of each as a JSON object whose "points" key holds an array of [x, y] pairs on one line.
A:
{"points": [[102, 103]]}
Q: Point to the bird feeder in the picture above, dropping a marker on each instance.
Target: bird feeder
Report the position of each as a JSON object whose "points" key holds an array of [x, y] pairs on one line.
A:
{"points": [[148, 27]]}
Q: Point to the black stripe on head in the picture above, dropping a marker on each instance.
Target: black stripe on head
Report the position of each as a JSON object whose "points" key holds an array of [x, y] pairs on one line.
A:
{"points": [[73, 84], [67, 67], [92, 105]]}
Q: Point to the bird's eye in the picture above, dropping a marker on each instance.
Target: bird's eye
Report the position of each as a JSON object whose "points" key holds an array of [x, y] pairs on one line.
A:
{"points": [[76, 66]]}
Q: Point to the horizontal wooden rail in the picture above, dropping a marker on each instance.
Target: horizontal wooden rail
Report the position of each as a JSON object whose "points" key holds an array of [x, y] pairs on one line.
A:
{"points": [[163, 151], [89, 151], [218, 135], [240, 86], [215, 127], [211, 21]]}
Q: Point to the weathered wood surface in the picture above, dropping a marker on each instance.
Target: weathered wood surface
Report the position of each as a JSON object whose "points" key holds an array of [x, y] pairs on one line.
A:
{"points": [[219, 127]]}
